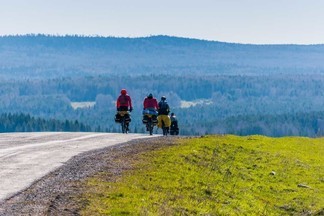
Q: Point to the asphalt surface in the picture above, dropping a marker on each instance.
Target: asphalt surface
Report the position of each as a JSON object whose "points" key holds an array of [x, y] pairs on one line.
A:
{"points": [[27, 157]]}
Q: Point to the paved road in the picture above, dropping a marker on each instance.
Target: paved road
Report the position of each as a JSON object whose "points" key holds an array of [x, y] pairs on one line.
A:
{"points": [[26, 157]]}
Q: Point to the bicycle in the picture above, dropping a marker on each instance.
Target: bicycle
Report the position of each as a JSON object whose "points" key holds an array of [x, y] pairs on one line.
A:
{"points": [[123, 120], [174, 129], [150, 120], [124, 125], [150, 125]]}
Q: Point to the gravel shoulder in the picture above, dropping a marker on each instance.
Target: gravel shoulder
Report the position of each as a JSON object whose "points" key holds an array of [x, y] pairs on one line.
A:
{"points": [[56, 193]]}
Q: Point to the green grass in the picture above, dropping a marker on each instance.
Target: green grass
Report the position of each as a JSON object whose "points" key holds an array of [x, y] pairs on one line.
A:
{"points": [[217, 175]]}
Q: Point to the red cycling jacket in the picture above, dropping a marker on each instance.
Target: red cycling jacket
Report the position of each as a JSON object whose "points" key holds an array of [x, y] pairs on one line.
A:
{"points": [[124, 101], [150, 103]]}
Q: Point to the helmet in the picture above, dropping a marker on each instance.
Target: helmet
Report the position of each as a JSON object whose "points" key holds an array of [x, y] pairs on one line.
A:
{"points": [[163, 98], [123, 92], [172, 114], [150, 95]]}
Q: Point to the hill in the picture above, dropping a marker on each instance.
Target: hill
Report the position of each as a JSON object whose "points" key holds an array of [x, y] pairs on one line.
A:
{"points": [[43, 56]]}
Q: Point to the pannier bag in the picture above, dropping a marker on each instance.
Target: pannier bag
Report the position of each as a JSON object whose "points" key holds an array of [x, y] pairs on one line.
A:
{"points": [[149, 112], [118, 118]]}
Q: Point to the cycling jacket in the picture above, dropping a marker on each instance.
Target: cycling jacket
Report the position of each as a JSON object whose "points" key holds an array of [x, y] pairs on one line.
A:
{"points": [[150, 103], [124, 101]]}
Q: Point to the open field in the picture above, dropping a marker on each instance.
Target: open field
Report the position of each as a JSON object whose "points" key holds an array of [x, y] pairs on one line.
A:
{"points": [[87, 104], [216, 175]]}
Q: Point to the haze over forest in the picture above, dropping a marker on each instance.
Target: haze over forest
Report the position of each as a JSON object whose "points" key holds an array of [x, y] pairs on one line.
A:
{"points": [[243, 89]]}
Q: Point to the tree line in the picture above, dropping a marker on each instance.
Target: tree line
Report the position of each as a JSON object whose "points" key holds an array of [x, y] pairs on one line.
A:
{"points": [[26, 123], [298, 124], [218, 99]]}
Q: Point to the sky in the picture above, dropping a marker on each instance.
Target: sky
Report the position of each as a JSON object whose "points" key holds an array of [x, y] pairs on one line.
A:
{"points": [[239, 21]]}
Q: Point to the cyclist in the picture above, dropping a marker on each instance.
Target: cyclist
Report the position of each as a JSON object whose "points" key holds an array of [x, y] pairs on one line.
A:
{"points": [[163, 113], [124, 102], [150, 106], [174, 129], [123, 105], [150, 102]]}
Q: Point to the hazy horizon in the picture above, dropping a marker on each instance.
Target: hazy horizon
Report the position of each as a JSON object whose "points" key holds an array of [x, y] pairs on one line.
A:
{"points": [[148, 36], [232, 21]]}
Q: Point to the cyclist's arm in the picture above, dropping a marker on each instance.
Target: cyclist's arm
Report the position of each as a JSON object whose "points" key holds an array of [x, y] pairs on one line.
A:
{"points": [[117, 103], [130, 102]]}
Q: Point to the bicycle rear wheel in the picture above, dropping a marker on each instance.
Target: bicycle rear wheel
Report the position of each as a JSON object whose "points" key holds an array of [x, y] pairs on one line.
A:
{"points": [[150, 126], [123, 125]]}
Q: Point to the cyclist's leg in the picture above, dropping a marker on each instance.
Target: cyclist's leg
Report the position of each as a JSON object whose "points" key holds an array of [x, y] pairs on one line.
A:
{"points": [[159, 124], [167, 122]]}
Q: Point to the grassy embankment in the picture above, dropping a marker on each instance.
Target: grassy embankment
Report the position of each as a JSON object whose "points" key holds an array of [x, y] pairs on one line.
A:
{"points": [[218, 175]]}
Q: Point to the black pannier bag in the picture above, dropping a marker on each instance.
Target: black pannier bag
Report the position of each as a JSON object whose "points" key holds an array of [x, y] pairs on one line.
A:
{"points": [[117, 118], [145, 119]]}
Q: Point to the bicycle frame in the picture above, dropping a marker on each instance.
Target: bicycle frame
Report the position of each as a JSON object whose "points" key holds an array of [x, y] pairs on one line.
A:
{"points": [[123, 123], [150, 124]]}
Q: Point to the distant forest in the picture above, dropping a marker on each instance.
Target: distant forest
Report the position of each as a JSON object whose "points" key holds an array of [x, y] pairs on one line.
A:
{"points": [[41, 56], [25, 123], [213, 87]]}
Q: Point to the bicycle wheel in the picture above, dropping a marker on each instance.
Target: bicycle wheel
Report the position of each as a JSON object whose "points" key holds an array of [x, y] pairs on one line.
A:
{"points": [[123, 125], [127, 127], [150, 126], [164, 129]]}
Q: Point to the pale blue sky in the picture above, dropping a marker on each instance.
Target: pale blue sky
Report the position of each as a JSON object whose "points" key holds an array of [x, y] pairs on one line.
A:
{"points": [[243, 21]]}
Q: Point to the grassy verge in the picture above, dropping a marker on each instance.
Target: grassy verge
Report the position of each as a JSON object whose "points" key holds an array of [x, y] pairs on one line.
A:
{"points": [[217, 175]]}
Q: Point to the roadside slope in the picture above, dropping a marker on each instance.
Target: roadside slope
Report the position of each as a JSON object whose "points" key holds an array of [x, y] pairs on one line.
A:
{"points": [[216, 175]]}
